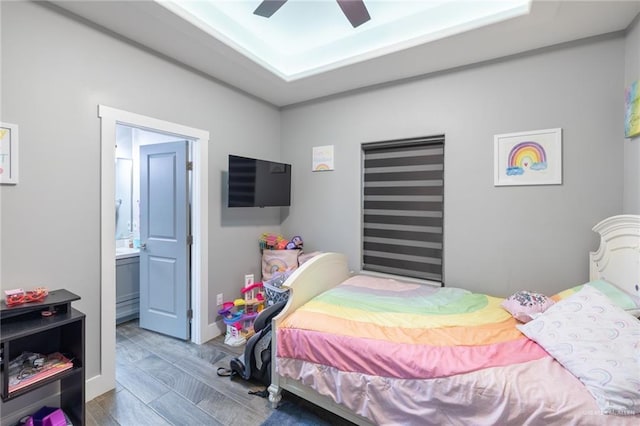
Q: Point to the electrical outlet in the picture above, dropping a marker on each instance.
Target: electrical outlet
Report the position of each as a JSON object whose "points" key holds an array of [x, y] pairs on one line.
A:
{"points": [[219, 299], [248, 280]]}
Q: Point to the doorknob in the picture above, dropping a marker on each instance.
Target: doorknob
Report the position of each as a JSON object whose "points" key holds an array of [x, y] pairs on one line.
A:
{"points": [[143, 246]]}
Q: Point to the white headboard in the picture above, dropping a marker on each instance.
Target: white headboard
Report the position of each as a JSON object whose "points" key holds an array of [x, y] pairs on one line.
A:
{"points": [[617, 260]]}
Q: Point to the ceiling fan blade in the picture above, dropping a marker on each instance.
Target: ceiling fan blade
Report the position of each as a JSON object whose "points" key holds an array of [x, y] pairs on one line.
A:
{"points": [[268, 7], [355, 11]]}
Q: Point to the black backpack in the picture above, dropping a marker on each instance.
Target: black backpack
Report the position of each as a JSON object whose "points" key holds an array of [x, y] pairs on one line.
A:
{"points": [[256, 362]]}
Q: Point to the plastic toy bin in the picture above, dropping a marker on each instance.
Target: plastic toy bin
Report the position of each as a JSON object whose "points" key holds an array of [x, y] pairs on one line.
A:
{"points": [[275, 294], [49, 416]]}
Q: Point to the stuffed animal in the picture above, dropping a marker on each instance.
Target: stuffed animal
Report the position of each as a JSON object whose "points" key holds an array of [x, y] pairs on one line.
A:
{"points": [[295, 243]]}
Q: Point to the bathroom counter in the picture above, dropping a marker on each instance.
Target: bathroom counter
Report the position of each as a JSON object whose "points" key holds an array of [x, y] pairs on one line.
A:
{"points": [[127, 284], [126, 252]]}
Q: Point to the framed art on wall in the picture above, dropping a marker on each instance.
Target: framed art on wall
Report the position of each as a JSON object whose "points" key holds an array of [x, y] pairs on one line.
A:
{"points": [[528, 158], [322, 160], [632, 111], [8, 153]]}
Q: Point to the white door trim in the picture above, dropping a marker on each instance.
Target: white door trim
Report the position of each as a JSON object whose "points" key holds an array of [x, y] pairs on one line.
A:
{"points": [[201, 330]]}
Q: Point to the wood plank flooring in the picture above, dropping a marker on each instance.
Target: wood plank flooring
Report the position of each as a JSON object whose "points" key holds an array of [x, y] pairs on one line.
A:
{"points": [[165, 381]]}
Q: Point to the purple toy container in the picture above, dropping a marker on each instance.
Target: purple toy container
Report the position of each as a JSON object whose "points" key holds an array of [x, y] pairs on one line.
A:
{"points": [[49, 416]]}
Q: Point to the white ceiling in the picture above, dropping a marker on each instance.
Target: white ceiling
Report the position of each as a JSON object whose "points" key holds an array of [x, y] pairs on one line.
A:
{"points": [[158, 28]]}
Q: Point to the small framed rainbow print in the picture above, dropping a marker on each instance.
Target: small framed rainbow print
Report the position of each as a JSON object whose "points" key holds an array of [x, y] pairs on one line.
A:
{"points": [[528, 158], [322, 160]]}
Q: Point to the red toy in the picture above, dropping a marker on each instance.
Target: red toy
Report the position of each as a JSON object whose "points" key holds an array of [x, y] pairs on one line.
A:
{"points": [[18, 298]]}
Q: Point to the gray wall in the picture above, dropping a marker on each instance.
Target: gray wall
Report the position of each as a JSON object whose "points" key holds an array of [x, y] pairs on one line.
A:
{"points": [[55, 72], [497, 239], [632, 146]]}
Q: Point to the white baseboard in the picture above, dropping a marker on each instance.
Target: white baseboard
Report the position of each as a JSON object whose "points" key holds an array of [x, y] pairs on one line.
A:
{"points": [[97, 385], [214, 330]]}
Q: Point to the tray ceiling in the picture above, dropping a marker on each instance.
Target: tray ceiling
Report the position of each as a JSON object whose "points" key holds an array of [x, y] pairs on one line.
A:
{"points": [[319, 62]]}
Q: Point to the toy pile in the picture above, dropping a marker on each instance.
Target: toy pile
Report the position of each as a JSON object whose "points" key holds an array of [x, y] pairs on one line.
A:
{"points": [[279, 260], [240, 314], [278, 242]]}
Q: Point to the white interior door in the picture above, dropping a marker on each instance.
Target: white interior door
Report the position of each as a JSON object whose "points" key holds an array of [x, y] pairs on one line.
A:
{"points": [[164, 229]]}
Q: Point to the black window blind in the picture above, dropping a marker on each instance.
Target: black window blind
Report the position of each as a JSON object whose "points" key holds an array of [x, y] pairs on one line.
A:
{"points": [[403, 200]]}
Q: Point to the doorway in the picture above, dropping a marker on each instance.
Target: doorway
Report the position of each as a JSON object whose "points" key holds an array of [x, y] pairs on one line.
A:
{"points": [[153, 187], [201, 329]]}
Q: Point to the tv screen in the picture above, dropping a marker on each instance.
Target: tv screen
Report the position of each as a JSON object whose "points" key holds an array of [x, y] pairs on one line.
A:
{"points": [[258, 183]]}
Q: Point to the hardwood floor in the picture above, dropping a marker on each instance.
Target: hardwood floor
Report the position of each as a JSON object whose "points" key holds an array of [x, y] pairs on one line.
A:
{"points": [[165, 381]]}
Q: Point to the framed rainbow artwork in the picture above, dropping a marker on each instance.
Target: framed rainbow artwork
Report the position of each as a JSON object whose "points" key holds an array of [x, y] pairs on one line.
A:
{"points": [[322, 160], [632, 111], [528, 158]]}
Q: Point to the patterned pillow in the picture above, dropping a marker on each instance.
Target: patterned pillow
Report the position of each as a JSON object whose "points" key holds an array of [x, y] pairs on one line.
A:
{"points": [[524, 305], [598, 343], [619, 297]]}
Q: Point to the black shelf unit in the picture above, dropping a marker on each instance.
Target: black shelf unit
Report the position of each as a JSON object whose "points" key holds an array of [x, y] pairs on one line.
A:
{"points": [[25, 328]]}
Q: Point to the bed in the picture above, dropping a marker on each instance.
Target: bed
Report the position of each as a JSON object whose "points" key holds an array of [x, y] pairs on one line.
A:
{"points": [[380, 351]]}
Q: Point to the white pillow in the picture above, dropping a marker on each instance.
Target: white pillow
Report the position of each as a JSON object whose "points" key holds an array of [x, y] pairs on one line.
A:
{"points": [[625, 300], [597, 342]]}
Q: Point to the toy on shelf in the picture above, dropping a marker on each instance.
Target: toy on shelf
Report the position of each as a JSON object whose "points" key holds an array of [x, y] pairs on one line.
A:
{"points": [[272, 241], [240, 314], [278, 242], [19, 296], [295, 243]]}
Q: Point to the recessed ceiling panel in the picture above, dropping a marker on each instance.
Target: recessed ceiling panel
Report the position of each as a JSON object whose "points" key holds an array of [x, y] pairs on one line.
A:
{"points": [[306, 37]]}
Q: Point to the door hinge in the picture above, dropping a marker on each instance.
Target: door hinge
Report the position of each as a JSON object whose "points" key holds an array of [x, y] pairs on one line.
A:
{"points": [[189, 313], [189, 239], [189, 165]]}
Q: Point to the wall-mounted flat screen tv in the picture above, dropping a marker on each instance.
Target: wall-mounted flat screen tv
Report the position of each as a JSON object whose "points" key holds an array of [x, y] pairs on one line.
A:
{"points": [[258, 183]]}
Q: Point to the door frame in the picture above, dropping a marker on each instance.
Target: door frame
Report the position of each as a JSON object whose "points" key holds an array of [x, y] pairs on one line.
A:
{"points": [[201, 330]]}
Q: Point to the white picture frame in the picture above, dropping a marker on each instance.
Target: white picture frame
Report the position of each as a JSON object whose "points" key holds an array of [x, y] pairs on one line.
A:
{"points": [[528, 158], [8, 153]]}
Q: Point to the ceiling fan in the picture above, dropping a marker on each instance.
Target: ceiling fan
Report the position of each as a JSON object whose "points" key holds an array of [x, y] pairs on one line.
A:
{"points": [[355, 10]]}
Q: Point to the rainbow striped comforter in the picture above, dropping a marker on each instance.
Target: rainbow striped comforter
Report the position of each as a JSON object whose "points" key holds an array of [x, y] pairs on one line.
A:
{"points": [[387, 328], [402, 354]]}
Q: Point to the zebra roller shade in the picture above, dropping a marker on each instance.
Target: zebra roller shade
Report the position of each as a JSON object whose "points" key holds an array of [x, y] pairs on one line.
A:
{"points": [[403, 200]]}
